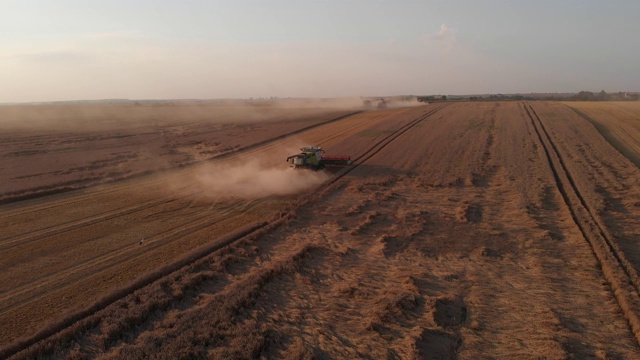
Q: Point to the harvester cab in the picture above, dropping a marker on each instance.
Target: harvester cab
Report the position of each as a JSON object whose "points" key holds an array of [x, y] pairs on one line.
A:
{"points": [[313, 157]]}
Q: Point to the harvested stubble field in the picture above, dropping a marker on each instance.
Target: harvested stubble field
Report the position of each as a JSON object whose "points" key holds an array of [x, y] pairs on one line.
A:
{"points": [[464, 230], [618, 122]]}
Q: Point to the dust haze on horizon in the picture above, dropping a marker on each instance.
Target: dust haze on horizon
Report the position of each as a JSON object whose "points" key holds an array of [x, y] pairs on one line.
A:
{"points": [[83, 50]]}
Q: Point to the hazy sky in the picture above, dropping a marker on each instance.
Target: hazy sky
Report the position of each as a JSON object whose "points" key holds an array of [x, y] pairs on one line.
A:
{"points": [[145, 49]]}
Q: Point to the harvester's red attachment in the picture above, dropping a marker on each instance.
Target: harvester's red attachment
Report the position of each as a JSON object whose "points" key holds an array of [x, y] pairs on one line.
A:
{"points": [[336, 160], [313, 157]]}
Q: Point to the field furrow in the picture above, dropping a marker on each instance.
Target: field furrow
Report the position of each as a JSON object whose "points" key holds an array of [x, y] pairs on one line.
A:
{"points": [[617, 269]]}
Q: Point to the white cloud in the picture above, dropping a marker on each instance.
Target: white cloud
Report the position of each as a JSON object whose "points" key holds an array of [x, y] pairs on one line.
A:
{"points": [[445, 37], [444, 31]]}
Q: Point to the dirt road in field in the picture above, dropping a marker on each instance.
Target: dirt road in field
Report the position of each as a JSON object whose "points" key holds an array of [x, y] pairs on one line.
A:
{"points": [[471, 230]]}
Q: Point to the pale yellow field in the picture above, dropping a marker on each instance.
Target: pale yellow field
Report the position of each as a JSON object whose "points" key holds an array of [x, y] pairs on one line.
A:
{"points": [[618, 122]]}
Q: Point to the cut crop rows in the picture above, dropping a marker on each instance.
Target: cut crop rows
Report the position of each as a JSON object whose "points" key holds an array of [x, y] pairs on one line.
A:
{"points": [[617, 270]]}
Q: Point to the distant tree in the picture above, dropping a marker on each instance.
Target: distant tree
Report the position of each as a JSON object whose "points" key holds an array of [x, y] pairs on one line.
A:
{"points": [[443, 97], [602, 96], [426, 98], [584, 96]]}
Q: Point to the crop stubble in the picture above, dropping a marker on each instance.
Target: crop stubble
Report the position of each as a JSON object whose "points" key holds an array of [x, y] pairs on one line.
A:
{"points": [[470, 234]]}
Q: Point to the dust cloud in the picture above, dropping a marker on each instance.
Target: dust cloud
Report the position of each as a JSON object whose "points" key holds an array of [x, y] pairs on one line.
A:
{"points": [[253, 180], [132, 115], [405, 103], [345, 103]]}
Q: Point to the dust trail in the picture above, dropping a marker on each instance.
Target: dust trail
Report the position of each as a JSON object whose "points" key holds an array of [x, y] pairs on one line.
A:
{"points": [[253, 180]]}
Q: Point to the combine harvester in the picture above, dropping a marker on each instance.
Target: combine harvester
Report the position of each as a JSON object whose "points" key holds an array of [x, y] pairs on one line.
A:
{"points": [[313, 157]]}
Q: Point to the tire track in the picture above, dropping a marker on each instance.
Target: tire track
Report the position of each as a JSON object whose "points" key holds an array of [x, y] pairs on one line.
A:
{"points": [[87, 221], [97, 264], [376, 148], [617, 270], [207, 249], [620, 143]]}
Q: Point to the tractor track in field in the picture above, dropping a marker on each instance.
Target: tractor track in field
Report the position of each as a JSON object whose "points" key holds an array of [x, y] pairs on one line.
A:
{"points": [[102, 262], [72, 225], [621, 144], [617, 270], [376, 148], [207, 249]]}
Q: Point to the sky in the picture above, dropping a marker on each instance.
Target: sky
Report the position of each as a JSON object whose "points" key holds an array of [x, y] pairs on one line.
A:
{"points": [[196, 49]]}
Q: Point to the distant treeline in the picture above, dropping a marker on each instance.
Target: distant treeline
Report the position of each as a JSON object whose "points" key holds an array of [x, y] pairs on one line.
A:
{"points": [[581, 96], [603, 96]]}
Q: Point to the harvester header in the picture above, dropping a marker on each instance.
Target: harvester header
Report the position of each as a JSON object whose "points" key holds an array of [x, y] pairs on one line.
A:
{"points": [[314, 157]]}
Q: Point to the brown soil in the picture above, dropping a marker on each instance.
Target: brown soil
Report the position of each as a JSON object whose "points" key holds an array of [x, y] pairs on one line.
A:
{"points": [[468, 230]]}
